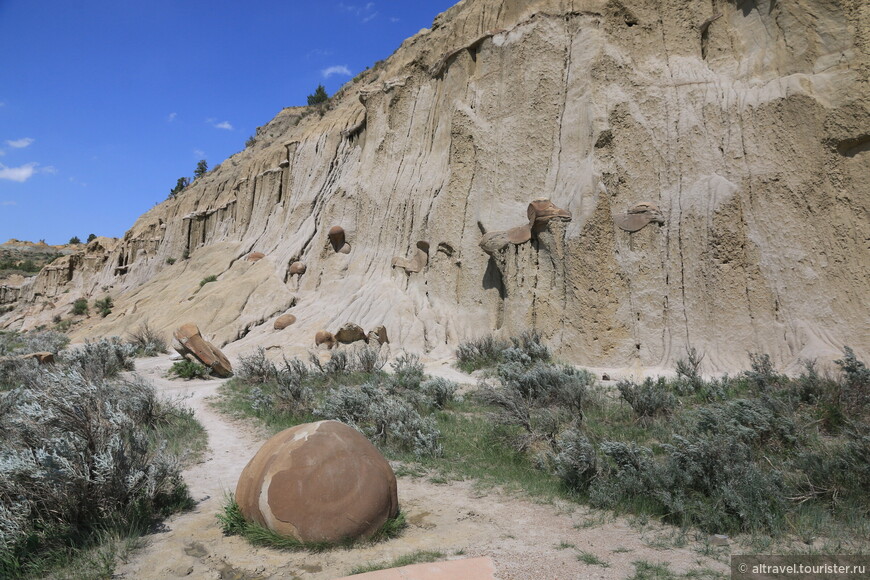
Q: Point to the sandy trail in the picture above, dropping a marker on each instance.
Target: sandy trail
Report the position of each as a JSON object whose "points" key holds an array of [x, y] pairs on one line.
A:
{"points": [[525, 539]]}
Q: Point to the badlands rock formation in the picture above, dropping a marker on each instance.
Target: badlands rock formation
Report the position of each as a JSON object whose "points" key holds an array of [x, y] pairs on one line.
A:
{"points": [[745, 123]]}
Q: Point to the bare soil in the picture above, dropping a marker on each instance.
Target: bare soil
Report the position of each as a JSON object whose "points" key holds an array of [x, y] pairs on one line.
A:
{"points": [[524, 537]]}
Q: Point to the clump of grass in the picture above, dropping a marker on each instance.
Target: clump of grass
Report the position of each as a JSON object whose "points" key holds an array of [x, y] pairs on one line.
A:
{"points": [[233, 523], [207, 280], [418, 557], [187, 369], [591, 559]]}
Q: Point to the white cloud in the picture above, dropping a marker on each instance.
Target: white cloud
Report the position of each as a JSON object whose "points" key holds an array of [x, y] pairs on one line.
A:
{"points": [[51, 169], [393, 19], [199, 153], [224, 125], [171, 117], [8, 202], [19, 174], [362, 11], [336, 70], [20, 143]]}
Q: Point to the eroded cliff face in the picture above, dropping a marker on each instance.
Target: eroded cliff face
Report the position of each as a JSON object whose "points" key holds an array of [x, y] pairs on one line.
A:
{"points": [[745, 124]]}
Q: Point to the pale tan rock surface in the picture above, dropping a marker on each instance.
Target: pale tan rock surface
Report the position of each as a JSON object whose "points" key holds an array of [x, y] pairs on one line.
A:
{"points": [[318, 482], [746, 125]]}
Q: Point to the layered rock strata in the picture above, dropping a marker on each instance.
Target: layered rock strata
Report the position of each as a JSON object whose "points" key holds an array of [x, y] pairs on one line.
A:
{"points": [[745, 124]]}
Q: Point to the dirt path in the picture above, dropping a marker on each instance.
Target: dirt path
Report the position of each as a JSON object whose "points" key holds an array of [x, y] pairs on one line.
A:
{"points": [[525, 539]]}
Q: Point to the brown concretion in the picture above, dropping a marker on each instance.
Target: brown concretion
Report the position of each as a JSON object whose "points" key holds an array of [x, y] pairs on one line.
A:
{"points": [[349, 333], [255, 256], [323, 482], [284, 321], [324, 337]]}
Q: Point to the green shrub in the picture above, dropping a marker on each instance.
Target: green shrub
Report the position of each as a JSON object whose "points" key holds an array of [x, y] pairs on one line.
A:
{"points": [[526, 349], [147, 341], [574, 460], [689, 370], [104, 306], [480, 353], [256, 368], [188, 370], [439, 392], [855, 390], [80, 306], [207, 279], [649, 399], [385, 419], [78, 459], [75, 240], [102, 359], [170, 261]]}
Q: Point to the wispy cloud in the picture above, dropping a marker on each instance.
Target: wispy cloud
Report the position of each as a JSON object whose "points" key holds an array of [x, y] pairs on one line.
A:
{"points": [[336, 70], [364, 11], [393, 19], [50, 169], [2, 104], [318, 53], [8, 203], [171, 117], [199, 153], [19, 174], [20, 143], [222, 125]]}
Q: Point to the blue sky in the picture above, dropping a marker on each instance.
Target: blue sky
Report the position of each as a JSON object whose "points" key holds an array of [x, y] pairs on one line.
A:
{"points": [[104, 104]]}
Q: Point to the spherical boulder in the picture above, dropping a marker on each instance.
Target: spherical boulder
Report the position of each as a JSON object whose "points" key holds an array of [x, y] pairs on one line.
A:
{"points": [[318, 482], [284, 321], [297, 268]]}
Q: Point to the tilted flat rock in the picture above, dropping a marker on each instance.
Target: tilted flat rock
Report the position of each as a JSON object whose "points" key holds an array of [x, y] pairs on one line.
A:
{"points": [[318, 482], [746, 125], [191, 342]]}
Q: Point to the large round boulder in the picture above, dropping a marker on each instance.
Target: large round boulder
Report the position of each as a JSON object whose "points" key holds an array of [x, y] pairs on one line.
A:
{"points": [[318, 482]]}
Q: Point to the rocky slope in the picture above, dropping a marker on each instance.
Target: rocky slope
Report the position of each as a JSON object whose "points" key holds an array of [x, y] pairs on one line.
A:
{"points": [[745, 124]]}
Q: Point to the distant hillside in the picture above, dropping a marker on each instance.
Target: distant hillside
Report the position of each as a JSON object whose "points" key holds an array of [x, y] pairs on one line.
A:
{"points": [[27, 258]]}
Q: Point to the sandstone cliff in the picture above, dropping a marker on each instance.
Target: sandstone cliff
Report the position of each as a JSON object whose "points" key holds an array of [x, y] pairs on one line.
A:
{"points": [[746, 123]]}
